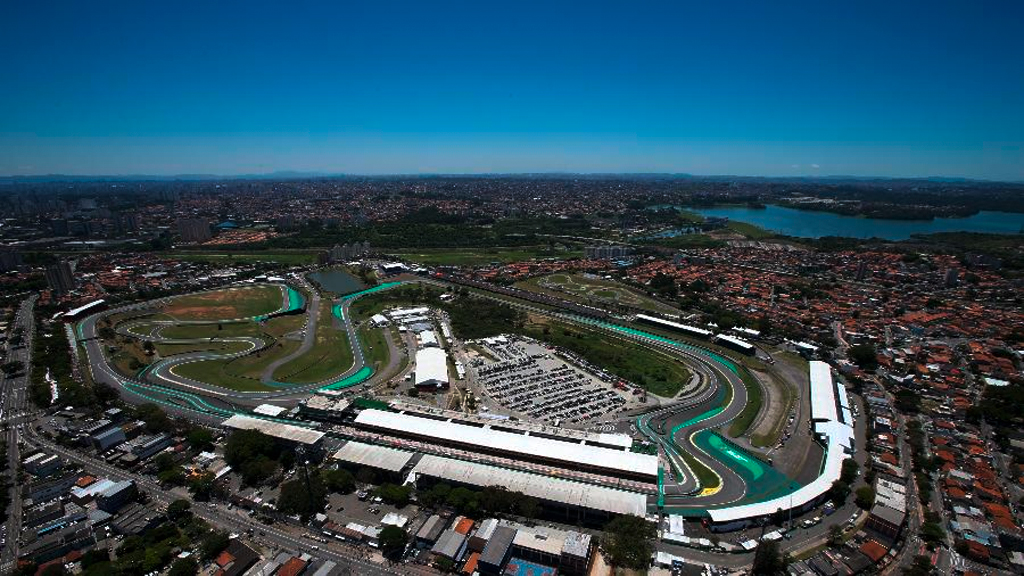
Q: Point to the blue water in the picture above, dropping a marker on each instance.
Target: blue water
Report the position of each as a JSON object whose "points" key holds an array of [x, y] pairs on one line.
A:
{"points": [[815, 224], [337, 281]]}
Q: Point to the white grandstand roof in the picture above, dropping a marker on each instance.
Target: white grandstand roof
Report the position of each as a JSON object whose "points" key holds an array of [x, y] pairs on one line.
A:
{"points": [[374, 456], [839, 442], [733, 340], [269, 410], [541, 487], [823, 392], [572, 453], [404, 312], [676, 325], [275, 429], [431, 366], [84, 307]]}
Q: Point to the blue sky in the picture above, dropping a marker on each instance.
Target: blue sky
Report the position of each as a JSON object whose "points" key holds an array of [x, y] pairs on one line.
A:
{"points": [[747, 88]]}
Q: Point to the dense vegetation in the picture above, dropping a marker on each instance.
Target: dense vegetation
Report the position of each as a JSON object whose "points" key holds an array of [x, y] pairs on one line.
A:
{"points": [[627, 542], [256, 456]]}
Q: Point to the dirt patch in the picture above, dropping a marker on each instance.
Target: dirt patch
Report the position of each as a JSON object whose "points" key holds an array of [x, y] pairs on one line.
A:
{"points": [[203, 312]]}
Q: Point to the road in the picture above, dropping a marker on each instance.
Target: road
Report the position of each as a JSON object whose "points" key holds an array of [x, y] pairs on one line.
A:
{"points": [[230, 520], [13, 413]]}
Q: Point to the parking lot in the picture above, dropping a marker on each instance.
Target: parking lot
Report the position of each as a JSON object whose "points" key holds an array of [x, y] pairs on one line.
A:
{"points": [[530, 379]]}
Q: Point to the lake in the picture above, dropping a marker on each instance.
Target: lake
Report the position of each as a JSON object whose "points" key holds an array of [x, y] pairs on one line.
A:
{"points": [[815, 224], [337, 281]]}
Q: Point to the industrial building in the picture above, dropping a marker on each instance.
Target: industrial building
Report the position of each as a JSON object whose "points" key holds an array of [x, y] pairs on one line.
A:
{"points": [[487, 439], [431, 368], [386, 461], [286, 433], [573, 501]]}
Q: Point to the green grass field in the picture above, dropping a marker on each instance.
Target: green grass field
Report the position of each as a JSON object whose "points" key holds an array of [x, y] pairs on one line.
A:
{"points": [[213, 372], [227, 329], [653, 371], [226, 304], [746, 417], [479, 256], [593, 291], [330, 355], [375, 346], [749, 230], [166, 350]]}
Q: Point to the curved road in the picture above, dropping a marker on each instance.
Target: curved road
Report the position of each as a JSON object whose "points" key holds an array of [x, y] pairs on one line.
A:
{"points": [[672, 426]]}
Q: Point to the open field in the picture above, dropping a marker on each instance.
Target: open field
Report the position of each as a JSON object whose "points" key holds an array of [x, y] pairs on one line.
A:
{"points": [[330, 355], [593, 290], [749, 230], [287, 258], [228, 329], [781, 396], [746, 417], [651, 370], [478, 256], [226, 304], [375, 346], [213, 372], [216, 347]]}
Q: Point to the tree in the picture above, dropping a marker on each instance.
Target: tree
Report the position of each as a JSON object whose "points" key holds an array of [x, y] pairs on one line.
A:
{"points": [[253, 454], [865, 356], [299, 498], [200, 438], [340, 481], [835, 535], [527, 506], [395, 495], [865, 497], [932, 533], [664, 285], [184, 567], [392, 541], [839, 492], [768, 560], [155, 418], [628, 542], [921, 566], [213, 544], [178, 510]]}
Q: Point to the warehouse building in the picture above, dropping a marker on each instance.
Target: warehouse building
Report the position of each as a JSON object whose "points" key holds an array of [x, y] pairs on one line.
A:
{"points": [[573, 455], [285, 433], [108, 439], [568, 500], [388, 462], [431, 368]]}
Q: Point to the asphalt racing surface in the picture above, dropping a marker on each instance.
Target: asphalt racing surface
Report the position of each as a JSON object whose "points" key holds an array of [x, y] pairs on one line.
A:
{"points": [[679, 427]]}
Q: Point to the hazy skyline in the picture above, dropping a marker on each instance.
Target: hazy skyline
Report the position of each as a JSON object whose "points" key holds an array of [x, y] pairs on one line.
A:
{"points": [[801, 89]]}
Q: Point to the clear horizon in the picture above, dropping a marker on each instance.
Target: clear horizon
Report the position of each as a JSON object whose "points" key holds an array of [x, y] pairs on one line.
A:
{"points": [[802, 90]]}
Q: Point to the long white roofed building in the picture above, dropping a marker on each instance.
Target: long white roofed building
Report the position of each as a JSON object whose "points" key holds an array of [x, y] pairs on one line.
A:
{"points": [[567, 453]]}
